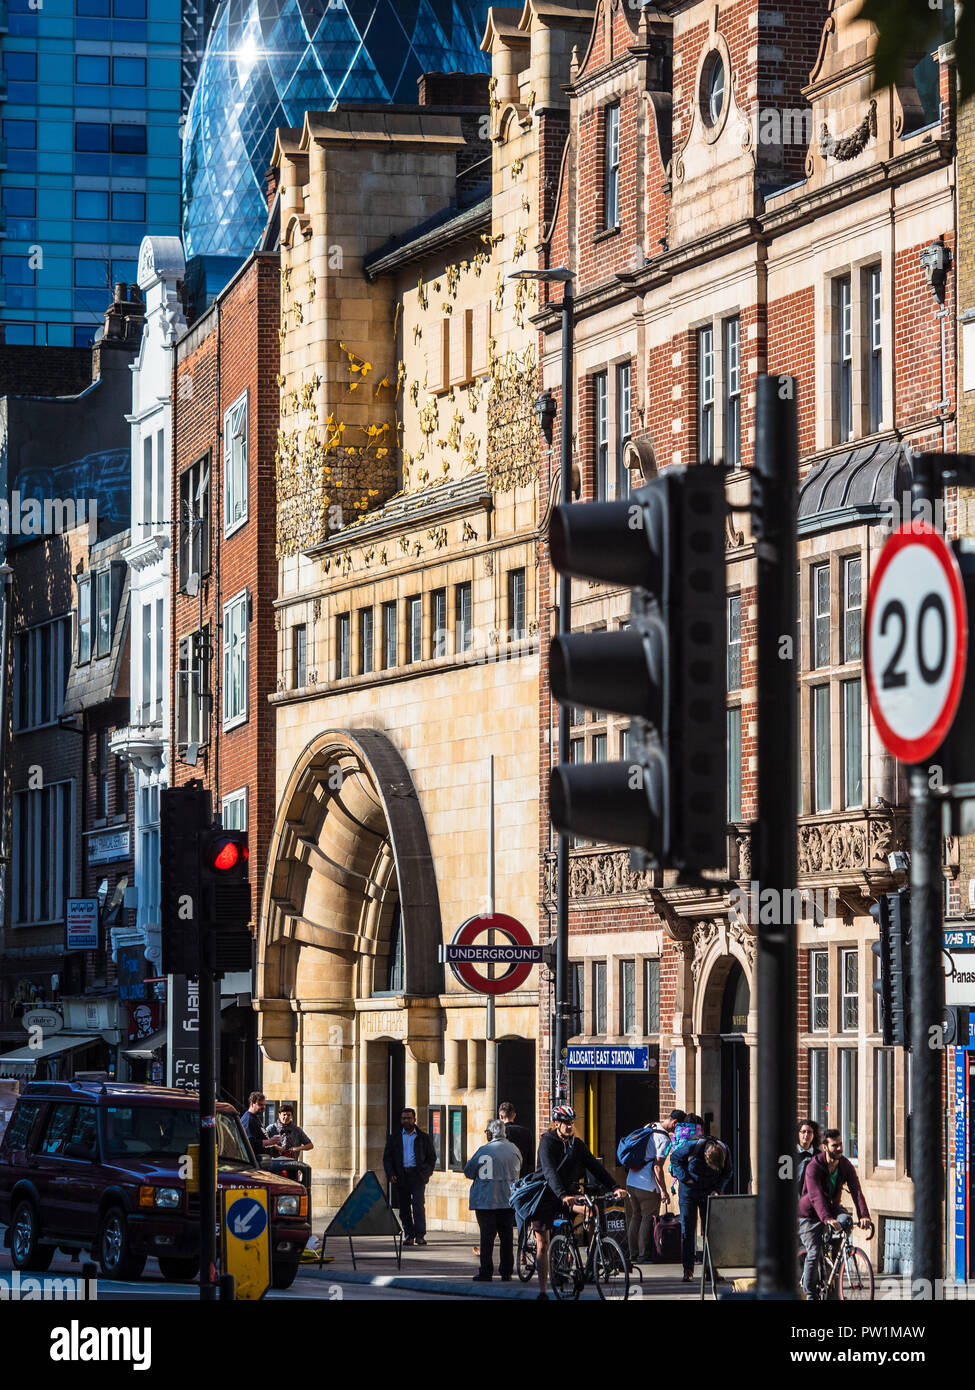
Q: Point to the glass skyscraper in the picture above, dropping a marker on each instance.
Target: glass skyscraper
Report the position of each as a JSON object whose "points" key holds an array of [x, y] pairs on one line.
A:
{"points": [[268, 61], [90, 106]]}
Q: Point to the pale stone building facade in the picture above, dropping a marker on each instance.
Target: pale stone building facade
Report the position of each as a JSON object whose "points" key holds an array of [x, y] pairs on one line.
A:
{"points": [[408, 515]]}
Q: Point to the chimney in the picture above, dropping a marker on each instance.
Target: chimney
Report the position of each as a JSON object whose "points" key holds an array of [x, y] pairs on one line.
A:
{"points": [[272, 180], [453, 89], [124, 318]]}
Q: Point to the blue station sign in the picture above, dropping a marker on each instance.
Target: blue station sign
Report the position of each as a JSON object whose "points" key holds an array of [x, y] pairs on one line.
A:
{"points": [[618, 1058]]}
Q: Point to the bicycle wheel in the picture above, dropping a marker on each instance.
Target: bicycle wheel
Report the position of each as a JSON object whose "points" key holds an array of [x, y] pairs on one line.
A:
{"points": [[856, 1276], [527, 1253], [563, 1273], [611, 1271]]}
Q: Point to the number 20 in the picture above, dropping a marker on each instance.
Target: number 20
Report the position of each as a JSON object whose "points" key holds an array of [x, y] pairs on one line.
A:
{"points": [[895, 610]]}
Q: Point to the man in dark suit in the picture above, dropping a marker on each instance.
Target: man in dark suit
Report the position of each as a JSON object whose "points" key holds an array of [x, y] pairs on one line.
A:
{"points": [[519, 1136], [409, 1160]]}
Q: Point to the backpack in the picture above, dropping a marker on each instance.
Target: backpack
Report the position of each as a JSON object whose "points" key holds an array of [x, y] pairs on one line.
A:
{"points": [[634, 1150], [804, 1163], [526, 1193], [685, 1134]]}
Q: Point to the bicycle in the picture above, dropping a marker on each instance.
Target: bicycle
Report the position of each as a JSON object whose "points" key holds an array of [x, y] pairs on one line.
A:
{"points": [[527, 1258], [605, 1265], [844, 1270]]}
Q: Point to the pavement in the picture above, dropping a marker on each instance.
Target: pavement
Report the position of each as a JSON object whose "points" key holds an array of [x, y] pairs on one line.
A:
{"points": [[447, 1265]]}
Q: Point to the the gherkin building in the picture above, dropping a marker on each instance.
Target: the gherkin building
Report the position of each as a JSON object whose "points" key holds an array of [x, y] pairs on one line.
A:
{"points": [[269, 61]]}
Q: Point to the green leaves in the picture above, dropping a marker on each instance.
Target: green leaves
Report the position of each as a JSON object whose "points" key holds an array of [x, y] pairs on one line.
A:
{"points": [[908, 29]]}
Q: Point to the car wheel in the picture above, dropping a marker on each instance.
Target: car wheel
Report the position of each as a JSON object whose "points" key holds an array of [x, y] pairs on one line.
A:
{"points": [[114, 1256], [25, 1252], [283, 1275], [172, 1267]]}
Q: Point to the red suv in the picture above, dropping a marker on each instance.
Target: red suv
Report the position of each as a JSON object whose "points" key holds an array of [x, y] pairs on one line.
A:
{"points": [[101, 1166]]}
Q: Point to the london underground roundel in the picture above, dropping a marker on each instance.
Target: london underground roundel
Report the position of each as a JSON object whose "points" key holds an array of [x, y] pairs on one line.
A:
{"points": [[517, 952]]}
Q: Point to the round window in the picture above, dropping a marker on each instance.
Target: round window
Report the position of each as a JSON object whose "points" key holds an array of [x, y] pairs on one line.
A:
{"points": [[712, 87]]}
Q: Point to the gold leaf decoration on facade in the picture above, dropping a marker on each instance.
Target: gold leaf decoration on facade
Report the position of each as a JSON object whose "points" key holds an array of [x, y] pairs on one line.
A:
{"points": [[499, 291], [383, 556], [512, 439], [417, 333], [452, 276], [467, 532], [439, 537], [516, 167], [421, 295]]}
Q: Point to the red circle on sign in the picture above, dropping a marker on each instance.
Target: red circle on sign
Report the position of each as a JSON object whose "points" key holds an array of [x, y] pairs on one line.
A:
{"points": [[468, 933], [915, 750]]}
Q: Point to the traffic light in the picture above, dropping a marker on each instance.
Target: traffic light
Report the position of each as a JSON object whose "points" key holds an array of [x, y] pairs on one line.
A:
{"points": [[225, 899], [893, 915], [184, 812], [667, 670]]}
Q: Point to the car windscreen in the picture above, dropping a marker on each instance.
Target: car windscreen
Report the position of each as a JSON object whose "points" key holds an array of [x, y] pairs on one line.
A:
{"points": [[159, 1131]]}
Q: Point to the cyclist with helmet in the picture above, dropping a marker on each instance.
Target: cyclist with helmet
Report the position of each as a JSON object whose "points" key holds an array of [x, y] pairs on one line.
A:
{"points": [[563, 1159]]}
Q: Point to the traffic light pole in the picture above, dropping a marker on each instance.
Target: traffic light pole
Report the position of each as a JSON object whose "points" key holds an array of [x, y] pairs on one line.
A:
{"points": [[562, 1001], [209, 1012], [774, 500], [927, 980]]}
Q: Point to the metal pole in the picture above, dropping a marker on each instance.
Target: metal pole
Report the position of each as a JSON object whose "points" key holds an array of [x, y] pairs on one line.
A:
{"points": [[489, 1029], [927, 986], [774, 488], [209, 1006], [562, 1001], [5, 576]]}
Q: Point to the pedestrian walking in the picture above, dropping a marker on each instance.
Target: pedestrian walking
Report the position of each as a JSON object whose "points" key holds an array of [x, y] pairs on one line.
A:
{"points": [[646, 1188], [409, 1160], [518, 1135], [701, 1167], [492, 1170], [809, 1142]]}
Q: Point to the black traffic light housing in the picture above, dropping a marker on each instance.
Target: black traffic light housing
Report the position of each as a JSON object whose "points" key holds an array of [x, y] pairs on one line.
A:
{"points": [[225, 899], [667, 671], [892, 913], [184, 814]]}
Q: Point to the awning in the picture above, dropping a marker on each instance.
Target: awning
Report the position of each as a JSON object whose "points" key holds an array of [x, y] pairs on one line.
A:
{"points": [[23, 1060], [146, 1049]]}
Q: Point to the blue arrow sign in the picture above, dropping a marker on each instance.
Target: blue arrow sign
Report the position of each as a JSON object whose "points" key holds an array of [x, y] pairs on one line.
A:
{"points": [[246, 1218]]}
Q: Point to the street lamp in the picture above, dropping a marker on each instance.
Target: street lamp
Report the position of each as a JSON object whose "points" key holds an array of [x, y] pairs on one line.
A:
{"points": [[562, 275]]}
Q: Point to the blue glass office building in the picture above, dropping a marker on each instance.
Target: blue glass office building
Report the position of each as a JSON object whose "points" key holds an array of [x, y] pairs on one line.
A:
{"points": [[90, 155], [268, 61]]}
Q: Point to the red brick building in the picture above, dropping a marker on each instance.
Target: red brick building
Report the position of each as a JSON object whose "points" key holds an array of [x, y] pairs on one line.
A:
{"points": [[734, 200], [223, 643]]}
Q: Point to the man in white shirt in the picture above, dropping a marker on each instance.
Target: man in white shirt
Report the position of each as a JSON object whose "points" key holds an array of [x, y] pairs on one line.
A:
{"points": [[646, 1191]]}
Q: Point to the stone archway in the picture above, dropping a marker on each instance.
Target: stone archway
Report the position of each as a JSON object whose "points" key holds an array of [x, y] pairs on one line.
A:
{"points": [[725, 1043], [349, 855]]}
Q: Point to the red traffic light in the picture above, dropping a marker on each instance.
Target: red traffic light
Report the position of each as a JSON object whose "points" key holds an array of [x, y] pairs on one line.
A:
{"points": [[227, 854]]}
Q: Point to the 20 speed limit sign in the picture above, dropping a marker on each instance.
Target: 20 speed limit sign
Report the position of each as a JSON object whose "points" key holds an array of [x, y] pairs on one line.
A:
{"points": [[916, 642]]}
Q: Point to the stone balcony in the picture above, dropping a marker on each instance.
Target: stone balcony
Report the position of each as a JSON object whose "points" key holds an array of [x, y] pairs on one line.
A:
{"points": [[141, 745]]}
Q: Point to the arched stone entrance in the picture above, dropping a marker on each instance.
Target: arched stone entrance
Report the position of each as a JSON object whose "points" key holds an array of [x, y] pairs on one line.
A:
{"points": [[725, 1039], [348, 975]]}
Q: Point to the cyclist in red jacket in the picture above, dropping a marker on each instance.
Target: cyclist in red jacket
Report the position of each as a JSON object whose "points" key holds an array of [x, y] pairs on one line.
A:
{"points": [[819, 1203]]}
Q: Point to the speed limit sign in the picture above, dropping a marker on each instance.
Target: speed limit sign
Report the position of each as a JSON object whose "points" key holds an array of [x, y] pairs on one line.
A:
{"points": [[916, 642]]}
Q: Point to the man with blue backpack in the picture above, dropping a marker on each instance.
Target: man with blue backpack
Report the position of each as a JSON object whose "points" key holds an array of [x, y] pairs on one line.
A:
{"points": [[642, 1154]]}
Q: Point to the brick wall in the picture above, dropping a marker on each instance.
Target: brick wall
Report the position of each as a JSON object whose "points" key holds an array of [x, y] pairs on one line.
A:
{"points": [[234, 349]]}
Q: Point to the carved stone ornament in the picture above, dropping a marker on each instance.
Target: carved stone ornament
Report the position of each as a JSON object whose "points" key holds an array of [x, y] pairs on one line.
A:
{"points": [[746, 940], [834, 845], [732, 538], [744, 843], [850, 145], [489, 564], [605, 875], [704, 934], [316, 609]]}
